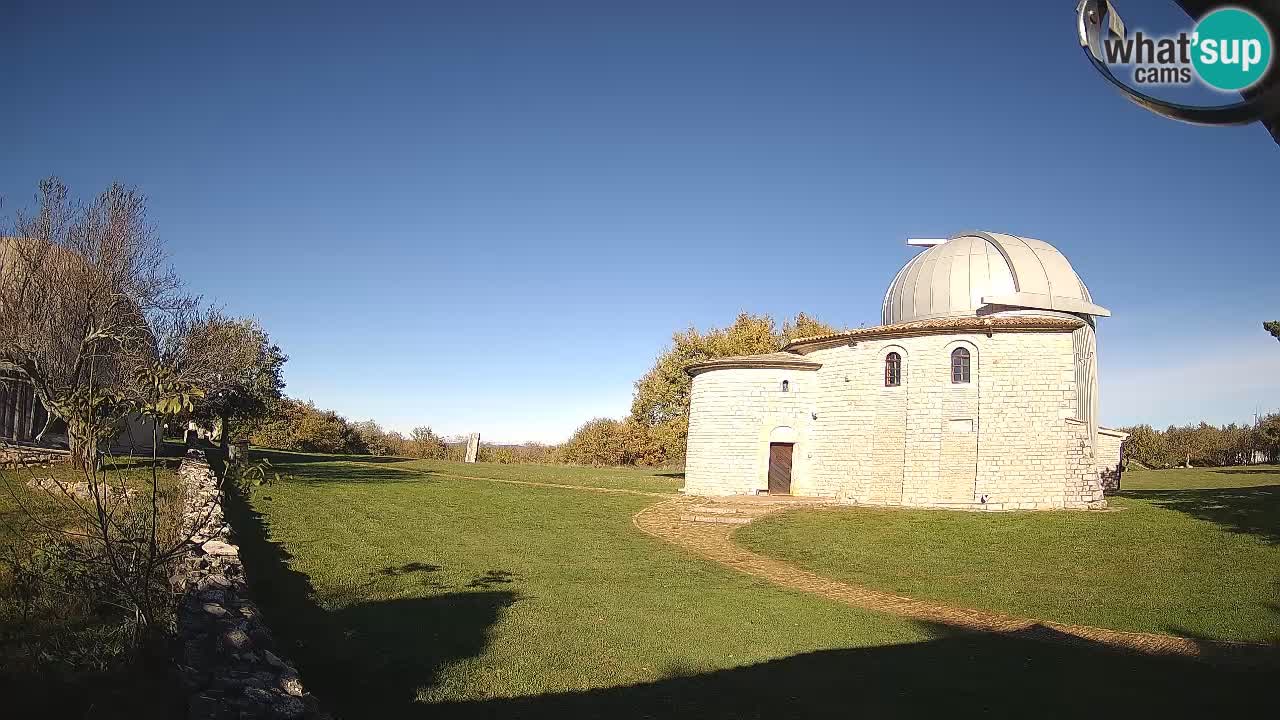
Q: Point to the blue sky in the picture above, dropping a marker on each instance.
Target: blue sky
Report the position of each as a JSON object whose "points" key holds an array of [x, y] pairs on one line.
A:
{"points": [[491, 216]]}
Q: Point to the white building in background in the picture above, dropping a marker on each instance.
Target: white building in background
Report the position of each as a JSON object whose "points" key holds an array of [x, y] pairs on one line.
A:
{"points": [[979, 391]]}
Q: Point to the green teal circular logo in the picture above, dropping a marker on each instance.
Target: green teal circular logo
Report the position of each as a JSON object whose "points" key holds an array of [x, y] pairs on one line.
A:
{"points": [[1232, 49]]}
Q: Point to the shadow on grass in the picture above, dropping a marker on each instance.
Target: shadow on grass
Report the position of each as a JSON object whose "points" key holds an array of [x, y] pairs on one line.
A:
{"points": [[371, 659], [677, 475], [953, 675], [368, 655], [352, 473], [1251, 510], [287, 457]]}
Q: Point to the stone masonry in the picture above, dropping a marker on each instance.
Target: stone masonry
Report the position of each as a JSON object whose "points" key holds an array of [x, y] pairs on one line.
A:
{"points": [[1006, 440], [229, 663]]}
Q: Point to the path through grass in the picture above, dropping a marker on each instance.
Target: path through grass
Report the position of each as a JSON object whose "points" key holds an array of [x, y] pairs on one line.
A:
{"points": [[1193, 553], [413, 593]]}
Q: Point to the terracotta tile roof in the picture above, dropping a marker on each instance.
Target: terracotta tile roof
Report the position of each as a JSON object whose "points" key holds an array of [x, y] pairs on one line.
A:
{"points": [[789, 360], [937, 326]]}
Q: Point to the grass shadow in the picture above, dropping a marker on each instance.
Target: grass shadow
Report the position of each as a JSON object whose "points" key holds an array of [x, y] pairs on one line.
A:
{"points": [[1250, 510], [291, 457], [366, 657], [954, 674]]}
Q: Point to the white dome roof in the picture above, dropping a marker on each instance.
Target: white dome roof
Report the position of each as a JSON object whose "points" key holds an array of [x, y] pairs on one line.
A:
{"points": [[980, 273]]}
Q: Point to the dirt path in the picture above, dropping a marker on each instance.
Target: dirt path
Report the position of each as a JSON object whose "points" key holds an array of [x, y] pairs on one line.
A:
{"points": [[711, 537]]}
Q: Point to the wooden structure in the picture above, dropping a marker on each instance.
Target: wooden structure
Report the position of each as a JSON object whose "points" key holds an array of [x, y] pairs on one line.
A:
{"points": [[21, 416]]}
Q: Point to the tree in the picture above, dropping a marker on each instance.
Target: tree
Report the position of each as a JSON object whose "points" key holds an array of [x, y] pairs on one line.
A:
{"points": [[424, 443], [661, 401], [378, 441], [599, 442], [1146, 446], [85, 294], [246, 380]]}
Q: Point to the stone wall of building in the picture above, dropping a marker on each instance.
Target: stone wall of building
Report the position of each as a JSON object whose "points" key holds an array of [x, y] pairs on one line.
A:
{"points": [[1110, 458], [229, 664], [1001, 441], [733, 416]]}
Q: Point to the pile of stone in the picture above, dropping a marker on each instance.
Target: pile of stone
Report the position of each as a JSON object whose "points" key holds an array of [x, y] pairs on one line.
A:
{"points": [[228, 661], [79, 489]]}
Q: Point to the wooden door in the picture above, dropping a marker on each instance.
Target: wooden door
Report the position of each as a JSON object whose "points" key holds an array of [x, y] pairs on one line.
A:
{"points": [[780, 468]]}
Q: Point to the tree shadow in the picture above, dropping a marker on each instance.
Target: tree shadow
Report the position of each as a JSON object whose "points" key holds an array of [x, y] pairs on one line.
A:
{"points": [[290, 457], [1250, 510], [492, 578], [373, 659], [953, 674], [676, 475], [347, 473], [368, 654]]}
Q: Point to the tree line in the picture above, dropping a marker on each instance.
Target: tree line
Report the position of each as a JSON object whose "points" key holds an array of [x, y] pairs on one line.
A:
{"points": [[654, 432], [1204, 445]]}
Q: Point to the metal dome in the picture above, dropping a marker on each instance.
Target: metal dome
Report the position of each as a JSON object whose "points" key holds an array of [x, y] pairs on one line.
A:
{"points": [[980, 273]]}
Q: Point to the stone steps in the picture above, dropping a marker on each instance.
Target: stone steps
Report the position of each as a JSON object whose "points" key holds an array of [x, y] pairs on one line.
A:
{"points": [[723, 519]]}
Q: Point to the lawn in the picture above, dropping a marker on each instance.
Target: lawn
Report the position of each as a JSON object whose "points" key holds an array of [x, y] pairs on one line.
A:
{"points": [[356, 468], [404, 589], [1187, 552]]}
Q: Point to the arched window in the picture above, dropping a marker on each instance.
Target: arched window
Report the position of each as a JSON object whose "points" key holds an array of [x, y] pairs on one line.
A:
{"points": [[786, 385], [960, 365], [892, 370]]}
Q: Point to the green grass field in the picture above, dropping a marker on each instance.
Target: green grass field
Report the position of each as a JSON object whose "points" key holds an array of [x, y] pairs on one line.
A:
{"points": [[1187, 552], [403, 589]]}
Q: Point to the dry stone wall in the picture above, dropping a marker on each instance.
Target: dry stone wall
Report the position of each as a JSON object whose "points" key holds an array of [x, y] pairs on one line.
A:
{"points": [[229, 662]]}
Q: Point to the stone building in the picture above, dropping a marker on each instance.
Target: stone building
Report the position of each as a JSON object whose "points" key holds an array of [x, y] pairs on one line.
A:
{"points": [[979, 391]]}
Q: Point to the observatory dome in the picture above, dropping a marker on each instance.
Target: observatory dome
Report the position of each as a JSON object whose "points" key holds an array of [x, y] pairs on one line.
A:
{"points": [[981, 273]]}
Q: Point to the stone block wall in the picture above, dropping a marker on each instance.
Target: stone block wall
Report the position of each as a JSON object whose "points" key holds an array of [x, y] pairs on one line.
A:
{"points": [[1110, 459], [1004, 438], [732, 416]]}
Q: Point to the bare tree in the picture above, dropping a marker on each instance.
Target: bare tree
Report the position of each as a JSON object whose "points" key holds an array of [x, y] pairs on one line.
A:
{"points": [[84, 288], [94, 318]]}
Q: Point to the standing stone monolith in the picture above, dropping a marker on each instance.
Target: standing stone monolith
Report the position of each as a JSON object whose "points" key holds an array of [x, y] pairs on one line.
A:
{"points": [[473, 447]]}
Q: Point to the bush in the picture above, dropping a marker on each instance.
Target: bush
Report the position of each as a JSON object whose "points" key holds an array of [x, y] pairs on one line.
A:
{"points": [[424, 443], [606, 442], [294, 425]]}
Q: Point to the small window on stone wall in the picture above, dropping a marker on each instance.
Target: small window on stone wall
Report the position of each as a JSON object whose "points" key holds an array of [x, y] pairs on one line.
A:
{"points": [[960, 365], [892, 370], [786, 386]]}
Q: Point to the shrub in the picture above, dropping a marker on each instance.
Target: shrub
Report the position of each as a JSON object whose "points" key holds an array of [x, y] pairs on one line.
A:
{"points": [[603, 441], [424, 443]]}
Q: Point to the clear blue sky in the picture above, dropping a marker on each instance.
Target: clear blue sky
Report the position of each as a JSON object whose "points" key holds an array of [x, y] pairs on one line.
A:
{"points": [[492, 215]]}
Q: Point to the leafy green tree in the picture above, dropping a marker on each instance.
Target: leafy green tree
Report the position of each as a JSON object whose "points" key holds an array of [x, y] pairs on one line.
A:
{"points": [[599, 442], [425, 443], [661, 401], [378, 441], [1272, 327], [250, 378], [1146, 446]]}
